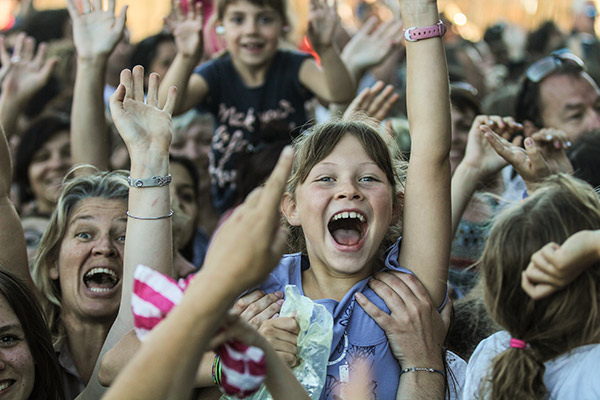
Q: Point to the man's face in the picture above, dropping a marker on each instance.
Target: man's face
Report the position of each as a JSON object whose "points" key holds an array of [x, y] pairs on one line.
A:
{"points": [[570, 103]]}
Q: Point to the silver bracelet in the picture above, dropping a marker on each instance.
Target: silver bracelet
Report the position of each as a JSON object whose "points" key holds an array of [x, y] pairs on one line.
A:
{"points": [[153, 181], [418, 369], [150, 218]]}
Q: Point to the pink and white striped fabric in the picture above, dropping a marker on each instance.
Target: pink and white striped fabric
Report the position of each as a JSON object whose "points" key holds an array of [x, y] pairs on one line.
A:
{"points": [[243, 368]]}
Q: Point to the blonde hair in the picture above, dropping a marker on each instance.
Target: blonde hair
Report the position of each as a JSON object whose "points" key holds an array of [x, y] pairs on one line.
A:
{"points": [[551, 326], [318, 142], [106, 185]]}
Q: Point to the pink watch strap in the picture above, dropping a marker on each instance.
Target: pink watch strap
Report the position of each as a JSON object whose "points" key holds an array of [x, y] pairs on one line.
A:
{"points": [[414, 34]]}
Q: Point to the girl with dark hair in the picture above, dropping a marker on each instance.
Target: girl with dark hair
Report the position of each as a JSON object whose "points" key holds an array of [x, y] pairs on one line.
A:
{"points": [[30, 368]]}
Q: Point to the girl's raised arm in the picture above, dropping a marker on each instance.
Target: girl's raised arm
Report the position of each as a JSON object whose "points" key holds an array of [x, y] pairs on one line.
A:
{"points": [[427, 214]]}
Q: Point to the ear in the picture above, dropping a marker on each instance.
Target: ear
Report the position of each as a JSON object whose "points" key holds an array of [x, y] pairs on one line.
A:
{"points": [[289, 209], [529, 128], [53, 272]]}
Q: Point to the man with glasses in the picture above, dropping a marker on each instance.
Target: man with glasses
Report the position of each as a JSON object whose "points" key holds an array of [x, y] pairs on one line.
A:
{"points": [[558, 93]]}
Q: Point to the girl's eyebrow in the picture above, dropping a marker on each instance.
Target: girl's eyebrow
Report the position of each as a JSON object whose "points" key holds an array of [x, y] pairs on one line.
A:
{"points": [[10, 327]]}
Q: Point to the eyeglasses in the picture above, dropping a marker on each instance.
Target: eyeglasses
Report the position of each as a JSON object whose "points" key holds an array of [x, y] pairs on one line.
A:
{"points": [[548, 65]]}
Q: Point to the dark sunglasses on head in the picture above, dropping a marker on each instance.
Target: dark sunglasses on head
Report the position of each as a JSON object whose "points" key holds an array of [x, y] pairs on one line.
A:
{"points": [[547, 65]]}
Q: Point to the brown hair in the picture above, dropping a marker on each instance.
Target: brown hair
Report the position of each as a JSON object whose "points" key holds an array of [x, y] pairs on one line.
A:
{"points": [[317, 143], [280, 6], [558, 323]]}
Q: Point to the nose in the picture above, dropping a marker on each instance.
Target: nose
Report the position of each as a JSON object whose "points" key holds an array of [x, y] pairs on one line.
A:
{"points": [[105, 246], [250, 26], [58, 161], [348, 190]]}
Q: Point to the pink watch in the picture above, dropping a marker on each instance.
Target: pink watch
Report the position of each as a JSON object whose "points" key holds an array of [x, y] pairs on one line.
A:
{"points": [[414, 34]]}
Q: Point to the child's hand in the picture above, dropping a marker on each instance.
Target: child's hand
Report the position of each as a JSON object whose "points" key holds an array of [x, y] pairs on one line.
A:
{"points": [[376, 101], [479, 154], [142, 125], [415, 329], [187, 29], [282, 334], [371, 45], [97, 32], [322, 22], [554, 267], [538, 160], [256, 307], [23, 74]]}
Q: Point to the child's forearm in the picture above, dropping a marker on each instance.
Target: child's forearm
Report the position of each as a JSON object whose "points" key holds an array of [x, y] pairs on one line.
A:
{"points": [[281, 381], [340, 82], [177, 75]]}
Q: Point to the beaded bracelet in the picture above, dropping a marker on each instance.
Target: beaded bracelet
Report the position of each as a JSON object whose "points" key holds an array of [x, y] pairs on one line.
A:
{"points": [[216, 370], [418, 369]]}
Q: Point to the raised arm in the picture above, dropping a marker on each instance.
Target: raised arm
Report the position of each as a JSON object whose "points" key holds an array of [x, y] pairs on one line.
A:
{"points": [[164, 368], [332, 82], [427, 215], [13, 252], [146, 131], [187, 30], [23, 74], [95, 33]]}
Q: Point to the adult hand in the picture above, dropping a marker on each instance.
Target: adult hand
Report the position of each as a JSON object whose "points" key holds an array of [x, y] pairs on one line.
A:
{"points": [[257, 307], [254, 231], [23, 74], [187, 29], [322, 22], [372, 44], [414, 328], [96, 32], [479, 154], [555, 266], [376, 101], [142, 125], [536, 161], [282, 334]]}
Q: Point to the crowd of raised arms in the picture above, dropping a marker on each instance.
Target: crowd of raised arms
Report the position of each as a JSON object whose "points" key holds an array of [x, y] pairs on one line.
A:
{"points": [[383, 211]]}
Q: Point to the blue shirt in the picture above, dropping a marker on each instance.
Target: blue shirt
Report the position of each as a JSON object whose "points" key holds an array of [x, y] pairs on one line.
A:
{"points": [[355, 334]]}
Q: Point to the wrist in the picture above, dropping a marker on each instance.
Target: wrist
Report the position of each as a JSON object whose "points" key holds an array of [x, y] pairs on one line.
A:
{"points": [[96, 60], [420, 15]]}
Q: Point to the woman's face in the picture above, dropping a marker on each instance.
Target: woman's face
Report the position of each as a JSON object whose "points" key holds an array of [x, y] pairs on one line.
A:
{"points": [[182, 190], [90, 261], [17, 368], [47, 170]]}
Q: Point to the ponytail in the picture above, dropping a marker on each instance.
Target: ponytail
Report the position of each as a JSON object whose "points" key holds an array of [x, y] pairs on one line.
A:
{"points": [[516, 374]]}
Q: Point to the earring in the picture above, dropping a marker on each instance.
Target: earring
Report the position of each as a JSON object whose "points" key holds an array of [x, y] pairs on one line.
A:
{"points": [[220, 30]]}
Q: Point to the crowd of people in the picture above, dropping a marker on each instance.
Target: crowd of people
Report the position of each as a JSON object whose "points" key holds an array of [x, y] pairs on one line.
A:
{"points": [[160, 200]]}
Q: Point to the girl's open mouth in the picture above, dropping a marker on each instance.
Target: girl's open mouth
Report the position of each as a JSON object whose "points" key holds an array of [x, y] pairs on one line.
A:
{"points": [[347, 228]]}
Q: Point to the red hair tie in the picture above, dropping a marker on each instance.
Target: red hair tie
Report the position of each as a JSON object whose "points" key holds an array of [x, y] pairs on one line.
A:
{"points": [[517, 343]]}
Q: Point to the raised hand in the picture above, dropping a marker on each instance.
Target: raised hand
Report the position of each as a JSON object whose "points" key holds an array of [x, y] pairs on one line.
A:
{"points": [[23, 74], [414, 328], [257, 307], [322, 22], [96, 32], [142, 125], [376, 101], [538, 160], [187, 29], [479, 154], [372, 44], [555, 266]]}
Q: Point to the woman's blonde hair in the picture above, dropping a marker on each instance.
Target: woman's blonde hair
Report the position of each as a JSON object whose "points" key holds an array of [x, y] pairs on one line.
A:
{"points": [[319, 141], [553, 325], [107, 185]]}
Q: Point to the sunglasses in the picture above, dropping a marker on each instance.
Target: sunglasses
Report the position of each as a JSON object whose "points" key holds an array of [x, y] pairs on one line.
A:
{"points": [[548, 65]]}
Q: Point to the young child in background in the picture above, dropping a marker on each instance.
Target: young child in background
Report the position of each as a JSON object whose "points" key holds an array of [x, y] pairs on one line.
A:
{"points": [[549, 345], [255, 83]]}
